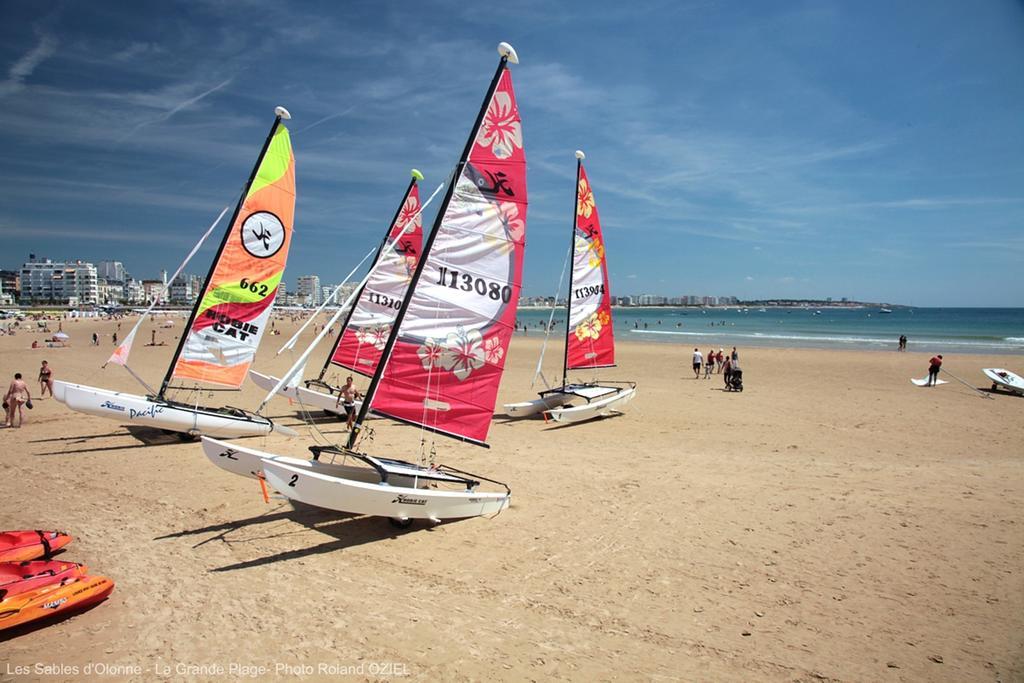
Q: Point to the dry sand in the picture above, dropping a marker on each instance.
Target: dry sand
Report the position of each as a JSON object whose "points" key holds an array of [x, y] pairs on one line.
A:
{"points": [[832, 522]]}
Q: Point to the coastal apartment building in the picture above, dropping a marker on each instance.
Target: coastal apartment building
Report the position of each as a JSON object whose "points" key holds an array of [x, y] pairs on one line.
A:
{"points": [[309, 290], [58, 282], [185, 288]]}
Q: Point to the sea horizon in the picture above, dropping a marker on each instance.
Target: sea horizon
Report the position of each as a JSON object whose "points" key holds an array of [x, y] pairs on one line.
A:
{"points": [[996, 330]]}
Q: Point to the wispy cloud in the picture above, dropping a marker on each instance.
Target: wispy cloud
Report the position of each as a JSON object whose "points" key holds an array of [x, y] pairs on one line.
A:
{"points": [[325, 119], [183, 104], [28, 62]]}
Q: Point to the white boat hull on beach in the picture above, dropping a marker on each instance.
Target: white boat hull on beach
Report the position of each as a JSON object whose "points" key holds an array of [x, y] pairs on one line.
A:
{"points": [[166, 415], [528, 408], [304, 396], [379, 499], [248, 462], [356, 489], [600, 400], [1005, 379], [554, 404]]}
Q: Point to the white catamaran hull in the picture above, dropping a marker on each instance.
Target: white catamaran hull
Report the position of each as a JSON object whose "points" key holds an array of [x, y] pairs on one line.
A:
{"points": [[382, 500], [528, 408], [1005, 379], [248, 462], [610, 400], [304, 396], [139, 410]]}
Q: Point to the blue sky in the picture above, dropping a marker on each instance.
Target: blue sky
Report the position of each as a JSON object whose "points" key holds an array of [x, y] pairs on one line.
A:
{"points": [[865, 149]]}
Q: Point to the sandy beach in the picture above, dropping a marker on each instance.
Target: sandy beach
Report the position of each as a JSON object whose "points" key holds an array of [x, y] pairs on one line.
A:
{"points": [[832, 522]]}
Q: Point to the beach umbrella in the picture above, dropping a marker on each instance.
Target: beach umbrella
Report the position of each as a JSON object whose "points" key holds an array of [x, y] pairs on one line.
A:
{"points": [[167, 323], [61, 335]]}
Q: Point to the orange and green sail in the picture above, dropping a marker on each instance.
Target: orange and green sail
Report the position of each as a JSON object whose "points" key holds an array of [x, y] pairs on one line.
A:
{"points": [[232, 314]]}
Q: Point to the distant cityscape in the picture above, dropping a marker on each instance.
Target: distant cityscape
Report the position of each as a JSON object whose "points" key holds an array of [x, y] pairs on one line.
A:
{"points": [[41, 281]]}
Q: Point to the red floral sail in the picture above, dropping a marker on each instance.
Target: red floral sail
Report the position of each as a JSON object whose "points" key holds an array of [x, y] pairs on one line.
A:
{"points": [[591, 342], [366, 333], [447, 360]]}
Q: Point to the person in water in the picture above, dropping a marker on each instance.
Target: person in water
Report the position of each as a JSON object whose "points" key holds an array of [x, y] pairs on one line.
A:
{"points": [[45, 380], [17, 396], [933, 369], [347, 399]]}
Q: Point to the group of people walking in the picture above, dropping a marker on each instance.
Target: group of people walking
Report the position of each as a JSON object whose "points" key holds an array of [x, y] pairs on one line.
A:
{"points": [[715, 362]]}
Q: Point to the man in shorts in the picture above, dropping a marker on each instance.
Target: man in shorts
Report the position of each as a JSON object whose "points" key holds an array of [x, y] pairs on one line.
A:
{"points": [[933, 369], [698, 360], [347, 399]]}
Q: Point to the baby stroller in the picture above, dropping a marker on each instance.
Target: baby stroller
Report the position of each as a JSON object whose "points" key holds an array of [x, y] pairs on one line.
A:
{"points": [[735, 381]]}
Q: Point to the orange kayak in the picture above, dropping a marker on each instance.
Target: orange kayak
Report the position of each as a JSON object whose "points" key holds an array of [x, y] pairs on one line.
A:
{"points": [[17, 546], [71, 594], [21, 577]]}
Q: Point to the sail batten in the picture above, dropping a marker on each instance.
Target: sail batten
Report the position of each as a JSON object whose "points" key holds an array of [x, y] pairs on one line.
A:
{"points": [[444, 359], [230, 316], [590, 341]]}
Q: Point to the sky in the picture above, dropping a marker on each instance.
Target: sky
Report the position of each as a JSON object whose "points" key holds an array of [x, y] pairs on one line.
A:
{"points": [[872, 150]]}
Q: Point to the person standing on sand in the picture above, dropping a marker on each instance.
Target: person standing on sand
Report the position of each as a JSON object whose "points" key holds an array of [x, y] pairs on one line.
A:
{"points": [[709, 364], [45, 380], [727, 367], [718, 360], [698, 360], [95, 339], [17, 395], [933, 369], [115, 338], [735, 355], [347, 399]]}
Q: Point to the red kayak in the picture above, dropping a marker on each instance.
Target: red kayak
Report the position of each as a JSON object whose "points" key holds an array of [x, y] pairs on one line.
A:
{"points": [[71, 594], [21, 577], [18, 546]]}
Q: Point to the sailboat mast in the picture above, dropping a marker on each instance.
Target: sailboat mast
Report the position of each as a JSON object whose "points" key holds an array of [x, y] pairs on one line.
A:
{"points": [[416, 175], [396, 328], [279, 113], [572, 261]]}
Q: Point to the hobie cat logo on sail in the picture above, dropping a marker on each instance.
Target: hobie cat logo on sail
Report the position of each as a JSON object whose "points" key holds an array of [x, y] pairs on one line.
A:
{"points": [[262, 234]]}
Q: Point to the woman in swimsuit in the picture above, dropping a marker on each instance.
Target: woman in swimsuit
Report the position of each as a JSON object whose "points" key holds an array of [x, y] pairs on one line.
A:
{"points": [[17, 395], [45, 380]]}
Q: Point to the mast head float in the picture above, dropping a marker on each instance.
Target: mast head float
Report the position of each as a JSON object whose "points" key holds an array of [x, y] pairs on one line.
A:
{"points": [[282, 113], [416, 174], [506, 50], [580, 155]]}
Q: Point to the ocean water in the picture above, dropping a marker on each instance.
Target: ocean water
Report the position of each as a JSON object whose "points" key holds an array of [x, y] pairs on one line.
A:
{"points": [[928, 330]]}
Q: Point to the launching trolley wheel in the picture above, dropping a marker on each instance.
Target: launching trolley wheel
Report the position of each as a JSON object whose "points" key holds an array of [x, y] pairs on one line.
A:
{"points": [[185, 437], [400, 523], [995, 387]]}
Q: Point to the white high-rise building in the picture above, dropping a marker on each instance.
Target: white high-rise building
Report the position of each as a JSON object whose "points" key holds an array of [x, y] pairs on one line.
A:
{"points": [[67, 282], [111, 271], [309, 290]]}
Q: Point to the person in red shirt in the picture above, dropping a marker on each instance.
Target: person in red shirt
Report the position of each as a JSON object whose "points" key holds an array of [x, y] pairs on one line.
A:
{"points": [[933, 369]]}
